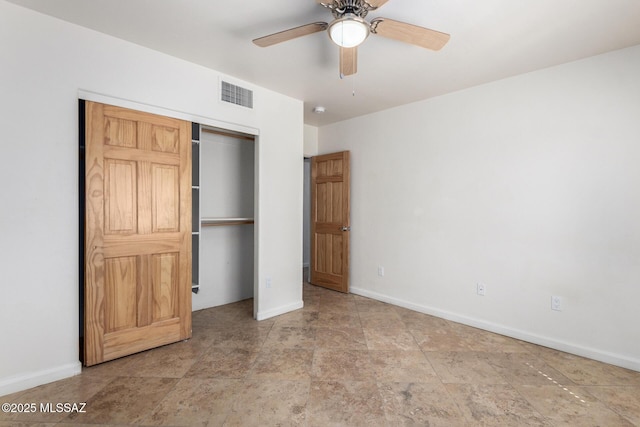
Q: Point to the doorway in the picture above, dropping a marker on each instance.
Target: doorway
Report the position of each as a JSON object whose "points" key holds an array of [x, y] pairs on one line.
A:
{"points": [[330, 226], [224, 224]]}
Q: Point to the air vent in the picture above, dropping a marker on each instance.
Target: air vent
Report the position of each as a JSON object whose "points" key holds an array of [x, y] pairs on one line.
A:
{"points": [[236, 95]]}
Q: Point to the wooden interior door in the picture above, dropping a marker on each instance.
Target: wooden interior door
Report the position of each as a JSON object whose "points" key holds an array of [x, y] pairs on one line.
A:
{"points": [[330, 224], [137, 232]]}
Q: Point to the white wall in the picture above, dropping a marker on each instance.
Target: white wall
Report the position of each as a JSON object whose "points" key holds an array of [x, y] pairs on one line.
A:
{"points": [[529, 185], [226, 176], [45, 62], [310, 141], [310, 149]]}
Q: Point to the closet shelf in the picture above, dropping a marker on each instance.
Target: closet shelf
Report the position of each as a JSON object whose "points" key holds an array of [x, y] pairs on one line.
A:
{"points": [[213, 222]]}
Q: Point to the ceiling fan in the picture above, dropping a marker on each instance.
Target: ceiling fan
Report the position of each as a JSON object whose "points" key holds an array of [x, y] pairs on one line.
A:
{"points": [[349, 29]]}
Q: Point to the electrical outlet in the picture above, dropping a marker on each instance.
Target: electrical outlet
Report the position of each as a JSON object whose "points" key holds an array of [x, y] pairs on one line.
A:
{"points": [[268, 282], [556, 303], [480, 289], [380, 271]]}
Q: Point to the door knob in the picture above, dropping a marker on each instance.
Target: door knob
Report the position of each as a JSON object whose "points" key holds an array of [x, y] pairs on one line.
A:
{"points": [[346, 228]]}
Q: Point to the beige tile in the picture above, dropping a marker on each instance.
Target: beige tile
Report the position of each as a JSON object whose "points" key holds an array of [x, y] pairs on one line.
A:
{"points": [[124, 400], [402, 366], [312, 367], [340, 305], [340, 364], [26, 424], [495, 405], [291, 337], [390, 339], [222, 316], [439, 339], [170, 361], [283, 364], [114, 368], [584, 371], [366, 304], [270, 403], [338, 319], [341, 337], [624, 400], [415, 320], [419, 404], [298, 318], [571, 406], [380, 320], [222, 362], [236, 310], [226, 317], [490, 342], [65, 424], [524, 368], [249, 322], [89, 425], [345, 403], [247, 338], [78, 389], [207, 318], [195, 402], [464, 367]]}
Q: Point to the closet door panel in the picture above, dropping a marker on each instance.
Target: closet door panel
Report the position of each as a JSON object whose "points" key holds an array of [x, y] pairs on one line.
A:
{"points": [[138, 232], [120, 132], [120, 197], [165, 285], [120, 293], [165, 198]]}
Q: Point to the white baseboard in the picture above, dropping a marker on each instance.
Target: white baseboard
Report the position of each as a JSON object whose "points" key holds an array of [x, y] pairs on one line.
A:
{"points": [[595, 354], [33, 379], [262, 315]]}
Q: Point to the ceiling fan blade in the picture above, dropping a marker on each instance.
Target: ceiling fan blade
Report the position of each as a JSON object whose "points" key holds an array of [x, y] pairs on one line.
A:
{"points": [[348, 61], [290, 34], [409, 33]]}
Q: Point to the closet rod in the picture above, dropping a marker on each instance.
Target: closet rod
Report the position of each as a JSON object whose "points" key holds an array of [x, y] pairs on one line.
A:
{"points": [[229, 134]]}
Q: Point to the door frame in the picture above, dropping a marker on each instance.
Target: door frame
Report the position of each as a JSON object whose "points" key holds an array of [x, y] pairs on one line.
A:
{"points": [[337, 169], [306, 217]]}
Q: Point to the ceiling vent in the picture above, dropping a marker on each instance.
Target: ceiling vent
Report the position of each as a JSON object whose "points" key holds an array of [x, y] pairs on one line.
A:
{"points": [[236, 95]]}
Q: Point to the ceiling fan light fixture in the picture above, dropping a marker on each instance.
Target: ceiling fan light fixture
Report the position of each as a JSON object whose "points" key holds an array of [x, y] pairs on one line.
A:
{"points": [[348, 31]]}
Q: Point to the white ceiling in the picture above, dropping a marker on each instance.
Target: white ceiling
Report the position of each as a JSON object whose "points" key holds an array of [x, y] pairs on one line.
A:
{"points": [[490, 40]]}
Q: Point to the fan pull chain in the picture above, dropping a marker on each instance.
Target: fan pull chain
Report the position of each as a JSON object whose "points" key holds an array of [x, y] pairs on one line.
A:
{"points": [[353, 84]]}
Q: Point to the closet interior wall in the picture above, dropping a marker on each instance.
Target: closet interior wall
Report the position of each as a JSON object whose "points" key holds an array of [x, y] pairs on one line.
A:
{"points": [[223, 233]]}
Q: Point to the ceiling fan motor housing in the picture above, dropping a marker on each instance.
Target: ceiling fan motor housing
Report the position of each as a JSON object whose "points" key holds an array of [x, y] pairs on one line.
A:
{"points": [[339, 8]]}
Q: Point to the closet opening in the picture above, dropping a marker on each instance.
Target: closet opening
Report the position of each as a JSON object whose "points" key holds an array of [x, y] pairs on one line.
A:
{"points": [[223, 208], [224, 202]]}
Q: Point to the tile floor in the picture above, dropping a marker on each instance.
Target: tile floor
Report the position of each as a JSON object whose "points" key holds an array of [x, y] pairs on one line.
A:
{"points": [[343, 360]]}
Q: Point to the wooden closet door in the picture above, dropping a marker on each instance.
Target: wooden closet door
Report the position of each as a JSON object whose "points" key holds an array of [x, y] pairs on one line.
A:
{"points": [[137, 232]]}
